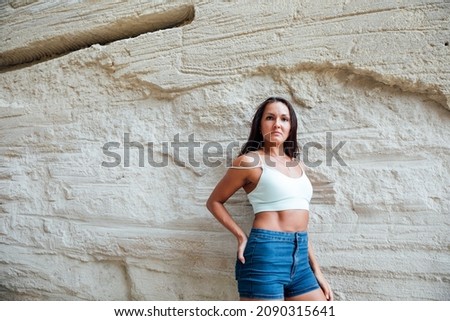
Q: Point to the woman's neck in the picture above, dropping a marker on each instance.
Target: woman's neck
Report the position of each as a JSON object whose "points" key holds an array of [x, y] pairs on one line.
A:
{"points": [[275, 151]]}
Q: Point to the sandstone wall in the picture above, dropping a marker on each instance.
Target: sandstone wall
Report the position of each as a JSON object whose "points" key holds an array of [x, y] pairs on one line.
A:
{"points": [[373, 76]]}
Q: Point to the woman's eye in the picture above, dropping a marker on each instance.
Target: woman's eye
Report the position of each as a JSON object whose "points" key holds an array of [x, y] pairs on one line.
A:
{"points": [[285, 119], [269, 117]]}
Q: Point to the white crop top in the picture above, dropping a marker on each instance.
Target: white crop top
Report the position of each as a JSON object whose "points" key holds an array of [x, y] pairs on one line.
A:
{"points": [[276, 191]]}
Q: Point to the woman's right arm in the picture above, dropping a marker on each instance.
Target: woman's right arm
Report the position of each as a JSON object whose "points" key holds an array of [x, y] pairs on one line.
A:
{"points": [[235, 178]]}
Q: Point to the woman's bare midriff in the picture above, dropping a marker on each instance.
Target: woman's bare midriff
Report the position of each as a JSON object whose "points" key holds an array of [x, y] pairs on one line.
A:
{"points": [[286, 221]]}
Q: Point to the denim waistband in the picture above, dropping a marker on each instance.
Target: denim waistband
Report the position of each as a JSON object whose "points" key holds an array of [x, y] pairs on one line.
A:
{"points": [[279, 235]]}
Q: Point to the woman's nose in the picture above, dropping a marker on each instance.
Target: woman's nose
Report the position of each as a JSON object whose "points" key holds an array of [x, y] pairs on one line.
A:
{"points": [[277, 123]]}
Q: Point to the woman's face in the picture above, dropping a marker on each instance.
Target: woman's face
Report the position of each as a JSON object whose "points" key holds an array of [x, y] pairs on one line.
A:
{"points": [[276, 123]]}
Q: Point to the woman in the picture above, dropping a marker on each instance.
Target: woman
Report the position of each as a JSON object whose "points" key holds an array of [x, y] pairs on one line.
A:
{"points": [[276, 261]]}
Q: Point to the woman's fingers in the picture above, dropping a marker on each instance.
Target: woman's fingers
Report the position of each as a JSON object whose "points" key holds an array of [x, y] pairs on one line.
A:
{"points": [[325, 288], [240, 253], [241, 258]]}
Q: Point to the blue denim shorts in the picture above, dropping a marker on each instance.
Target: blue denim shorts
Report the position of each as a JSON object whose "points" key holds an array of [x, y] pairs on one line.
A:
{"points": [[276, 266]]}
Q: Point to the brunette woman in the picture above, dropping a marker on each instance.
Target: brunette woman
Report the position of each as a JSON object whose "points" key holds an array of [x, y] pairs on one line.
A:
{"points": [[276, 261]]}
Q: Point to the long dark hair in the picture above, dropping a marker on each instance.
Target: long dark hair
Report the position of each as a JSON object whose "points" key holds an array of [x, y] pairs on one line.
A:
{"points": [[255, 139]]}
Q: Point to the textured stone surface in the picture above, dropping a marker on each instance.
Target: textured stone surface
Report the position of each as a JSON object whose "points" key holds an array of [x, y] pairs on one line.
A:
{"points": [[375, 75]]}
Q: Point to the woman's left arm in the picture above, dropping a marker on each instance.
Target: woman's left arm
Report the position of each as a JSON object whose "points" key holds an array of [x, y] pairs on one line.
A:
{"points": [[318, 273]]}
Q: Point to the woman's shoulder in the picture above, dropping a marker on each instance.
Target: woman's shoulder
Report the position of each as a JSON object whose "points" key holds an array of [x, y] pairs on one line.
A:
{"points": [[247, 161]]}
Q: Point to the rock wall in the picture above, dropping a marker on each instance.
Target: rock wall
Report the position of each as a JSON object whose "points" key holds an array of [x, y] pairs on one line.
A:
{"points": [[117, 120]]}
